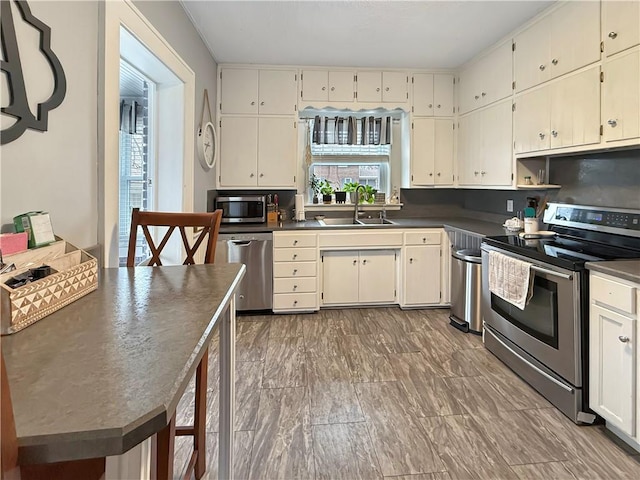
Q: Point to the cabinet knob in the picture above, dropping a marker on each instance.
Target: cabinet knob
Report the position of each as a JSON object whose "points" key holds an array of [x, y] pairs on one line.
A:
{"points": [[253, 103], [333, 88], [252, 175], [612, 122], [623, 338], [364, 262], [612, 35], [386, 89], [541, 135], [542, 67], [261, 103], [295, 302], [324, 88], [438, 106], [431, 174], [295, 255], [261, 175], [424, 239], [438, 173], [241, 297], [355, 262], [554, 61], [411, 260], [482, 172], [295, 286], [484, 94], [431, 105], [295, 242], [295, 270], [554, 133], [378, 89], [477, 97], [476, 173]]}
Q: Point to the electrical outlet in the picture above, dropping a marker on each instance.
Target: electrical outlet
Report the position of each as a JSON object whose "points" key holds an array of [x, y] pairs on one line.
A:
{"points": [[509, 205]]}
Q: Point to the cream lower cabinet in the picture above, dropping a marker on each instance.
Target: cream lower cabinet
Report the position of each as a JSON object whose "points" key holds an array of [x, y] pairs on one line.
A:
{"points": [[613, 354], [295, 272], [421, 269], [358, 277]]}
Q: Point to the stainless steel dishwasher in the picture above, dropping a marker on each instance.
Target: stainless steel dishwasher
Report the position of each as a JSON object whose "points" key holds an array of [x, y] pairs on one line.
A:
{"points": [[255, 250]]}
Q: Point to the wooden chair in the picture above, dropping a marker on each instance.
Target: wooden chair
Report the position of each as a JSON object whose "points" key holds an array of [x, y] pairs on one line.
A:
{"points": [[162, 462]]}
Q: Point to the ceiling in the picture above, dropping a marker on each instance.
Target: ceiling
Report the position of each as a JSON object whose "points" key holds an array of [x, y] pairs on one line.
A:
{"points": [[356, 33]]}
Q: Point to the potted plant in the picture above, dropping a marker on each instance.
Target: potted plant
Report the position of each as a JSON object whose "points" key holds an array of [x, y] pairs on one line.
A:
{"points": [[368, 195], [315, 183], [326, 189], [350, 188]]}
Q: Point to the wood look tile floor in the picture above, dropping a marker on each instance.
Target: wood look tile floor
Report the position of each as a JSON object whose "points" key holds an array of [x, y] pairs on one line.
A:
{"points": [[386, 393]]}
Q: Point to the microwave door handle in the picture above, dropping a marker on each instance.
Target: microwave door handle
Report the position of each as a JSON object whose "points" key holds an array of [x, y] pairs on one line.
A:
{"points": [[551, 272]]}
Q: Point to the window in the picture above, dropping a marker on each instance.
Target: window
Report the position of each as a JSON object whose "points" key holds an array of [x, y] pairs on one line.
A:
{"points": [[338, 174]]}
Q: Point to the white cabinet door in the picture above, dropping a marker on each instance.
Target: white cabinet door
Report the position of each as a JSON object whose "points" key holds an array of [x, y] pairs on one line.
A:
{"points": [[612, 358], [575, 37], [497, 153], [575, 110], [369, 86], [443, 95], [621, 25], [238, 151], [341, 86], [621, 97], [531, 62], [340, 271], [421, 282], [531, 121], [423, 94], [443, 152], [468, 88], [469, 146], [315, 85], [239, 91], [377, 276], [395, 87], [276, 152], [423, 151], [497, 74], [278, 92]]}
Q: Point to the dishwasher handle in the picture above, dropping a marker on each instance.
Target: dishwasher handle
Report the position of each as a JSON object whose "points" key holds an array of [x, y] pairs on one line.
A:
{"points": [[241, 243]]}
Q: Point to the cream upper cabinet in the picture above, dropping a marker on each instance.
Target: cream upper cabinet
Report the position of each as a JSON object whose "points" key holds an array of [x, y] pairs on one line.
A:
{"points": [[563, 41], [257, 152], [484, 146], [373, 87], [264, 92], [432, 151], [487, 80], [562, 114], [621, 97], [621, 25], [432, 94], [331, 86]]}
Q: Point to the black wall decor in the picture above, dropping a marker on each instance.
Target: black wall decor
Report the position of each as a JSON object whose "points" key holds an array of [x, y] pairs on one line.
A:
{"points": [[18, 106]]}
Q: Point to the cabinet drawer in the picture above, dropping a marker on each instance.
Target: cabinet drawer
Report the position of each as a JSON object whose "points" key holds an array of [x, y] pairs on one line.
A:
{"points": [[422, 238], [617, 295], [294, 285], [283, 240], [294, 269], [294, 255], [359, 240], [295, 301]]}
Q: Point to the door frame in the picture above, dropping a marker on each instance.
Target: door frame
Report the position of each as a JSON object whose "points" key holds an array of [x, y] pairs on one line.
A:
{"points": [[114, 15]]}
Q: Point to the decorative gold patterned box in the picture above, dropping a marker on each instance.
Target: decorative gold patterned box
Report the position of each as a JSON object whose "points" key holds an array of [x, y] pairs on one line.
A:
{"points": [[76, 275]]}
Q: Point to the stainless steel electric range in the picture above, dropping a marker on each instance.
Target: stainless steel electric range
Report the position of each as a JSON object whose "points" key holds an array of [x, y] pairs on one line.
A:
{"points": [[546, 343]]}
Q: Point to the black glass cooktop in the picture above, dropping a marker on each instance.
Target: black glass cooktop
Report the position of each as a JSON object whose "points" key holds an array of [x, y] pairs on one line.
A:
{"points": [[562, 251]]}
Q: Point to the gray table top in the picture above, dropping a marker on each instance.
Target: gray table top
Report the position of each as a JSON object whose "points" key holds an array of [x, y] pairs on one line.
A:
{"points": [[107, 371], [625, 269]]}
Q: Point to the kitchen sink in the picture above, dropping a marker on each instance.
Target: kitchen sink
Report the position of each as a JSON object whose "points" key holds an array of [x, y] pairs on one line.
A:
{"points": [[363, 222]]}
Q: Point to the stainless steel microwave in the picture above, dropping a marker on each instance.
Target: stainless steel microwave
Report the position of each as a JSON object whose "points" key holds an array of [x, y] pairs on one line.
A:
{"points": [[245, 209]]}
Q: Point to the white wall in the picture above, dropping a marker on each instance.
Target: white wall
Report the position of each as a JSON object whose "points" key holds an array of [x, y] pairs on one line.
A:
{"points": [[57, 170]]}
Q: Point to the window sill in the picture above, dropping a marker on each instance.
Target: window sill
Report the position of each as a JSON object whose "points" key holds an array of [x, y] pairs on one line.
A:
{"points": [[316, 207]]}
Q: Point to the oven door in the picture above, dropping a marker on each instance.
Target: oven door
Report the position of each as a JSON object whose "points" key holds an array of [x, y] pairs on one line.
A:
{"points": [[549, 328]]}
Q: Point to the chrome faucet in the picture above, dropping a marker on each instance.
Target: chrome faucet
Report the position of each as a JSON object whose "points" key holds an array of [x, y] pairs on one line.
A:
{"points": [[356, 212]]}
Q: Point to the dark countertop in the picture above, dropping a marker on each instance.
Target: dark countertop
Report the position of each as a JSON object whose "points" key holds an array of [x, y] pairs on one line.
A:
{"points": [[624, 269], [467, 225], [107, 371]]}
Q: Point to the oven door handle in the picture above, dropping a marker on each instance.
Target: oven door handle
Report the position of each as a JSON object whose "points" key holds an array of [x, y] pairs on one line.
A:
{"points": [[540, 371], [551, 272]]}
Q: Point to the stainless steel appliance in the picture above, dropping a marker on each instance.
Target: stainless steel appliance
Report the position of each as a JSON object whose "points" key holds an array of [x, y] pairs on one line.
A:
{"points": [[546, 343], [255, 250], [466, 285], [244, 209]]}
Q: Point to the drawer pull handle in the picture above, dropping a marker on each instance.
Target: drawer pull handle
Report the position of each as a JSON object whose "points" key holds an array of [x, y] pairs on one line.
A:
{"points": [[623, 338]]}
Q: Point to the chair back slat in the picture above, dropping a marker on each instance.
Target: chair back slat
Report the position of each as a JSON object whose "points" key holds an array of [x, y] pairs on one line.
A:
{"points": [[209, 223]]}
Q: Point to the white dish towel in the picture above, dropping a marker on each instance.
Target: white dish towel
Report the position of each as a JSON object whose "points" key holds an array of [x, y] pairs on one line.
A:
{"points": [[510, 279]]}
